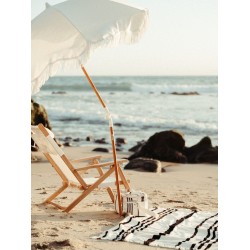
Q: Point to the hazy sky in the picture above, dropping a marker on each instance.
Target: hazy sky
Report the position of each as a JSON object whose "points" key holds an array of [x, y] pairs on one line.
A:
{"points": [[181, 40]]}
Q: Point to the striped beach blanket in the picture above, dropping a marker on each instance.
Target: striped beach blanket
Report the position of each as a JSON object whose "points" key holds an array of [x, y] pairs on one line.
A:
{"points": [[176, 228]]}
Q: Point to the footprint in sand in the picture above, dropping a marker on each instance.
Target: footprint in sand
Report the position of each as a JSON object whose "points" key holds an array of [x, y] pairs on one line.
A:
{"points": [[44, 192], [64, 197], [35, 234], [53, 235], [85, 220], [193, 193], [175, 201], [51, 245]]}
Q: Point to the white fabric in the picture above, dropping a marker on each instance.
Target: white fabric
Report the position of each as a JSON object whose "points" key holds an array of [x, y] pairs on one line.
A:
{"points": [[48, 145], [42, 141], [106, 183], [66, 34], [64, 168], [176, 228]]}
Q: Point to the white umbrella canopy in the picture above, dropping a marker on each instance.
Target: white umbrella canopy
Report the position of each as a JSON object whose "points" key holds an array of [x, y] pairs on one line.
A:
{"points": [[65, 34]]}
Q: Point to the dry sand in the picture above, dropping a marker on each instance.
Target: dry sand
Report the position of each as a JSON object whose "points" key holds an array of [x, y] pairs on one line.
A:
{"points": [[182, 185]]}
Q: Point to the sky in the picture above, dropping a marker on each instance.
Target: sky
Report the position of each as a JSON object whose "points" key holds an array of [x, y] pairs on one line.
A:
{"points": [[181, 40]]}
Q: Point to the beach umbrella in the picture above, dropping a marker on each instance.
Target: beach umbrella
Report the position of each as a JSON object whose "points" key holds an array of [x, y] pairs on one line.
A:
{"points": [[66, 34]]}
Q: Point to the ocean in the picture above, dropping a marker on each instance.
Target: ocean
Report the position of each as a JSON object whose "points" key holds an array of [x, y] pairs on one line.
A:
{"points": [[140, 106]]}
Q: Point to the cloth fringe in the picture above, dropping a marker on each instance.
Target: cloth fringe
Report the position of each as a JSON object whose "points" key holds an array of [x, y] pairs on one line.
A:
{"points": [[120, 37]]}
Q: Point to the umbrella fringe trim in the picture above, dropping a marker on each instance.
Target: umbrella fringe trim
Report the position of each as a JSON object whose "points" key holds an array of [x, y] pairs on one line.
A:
{"points": [[125, 37]]}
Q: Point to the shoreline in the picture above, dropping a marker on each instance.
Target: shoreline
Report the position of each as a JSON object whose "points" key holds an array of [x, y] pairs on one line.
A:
{"points": [[182, 185]]}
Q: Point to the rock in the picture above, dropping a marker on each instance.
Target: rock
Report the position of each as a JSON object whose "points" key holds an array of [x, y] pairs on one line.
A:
{"points": [[59, 92], [69, 119], [77, 139], [185, 93], [68, 138], [58, 142], [208, 156], [101, 141], [121, 140], [163, 146], [39, 115], [34, 148], [144, 164], [118, 124], [202, 152], [89, 138], [101, 150], [67, 144], [137, 147]]}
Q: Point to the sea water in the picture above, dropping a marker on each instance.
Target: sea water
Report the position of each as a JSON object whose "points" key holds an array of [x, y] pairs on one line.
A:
{"points": [[140, 106]]}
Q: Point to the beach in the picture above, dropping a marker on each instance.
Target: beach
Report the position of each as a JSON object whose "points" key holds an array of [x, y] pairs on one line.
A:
{"points": [[193, 186]]}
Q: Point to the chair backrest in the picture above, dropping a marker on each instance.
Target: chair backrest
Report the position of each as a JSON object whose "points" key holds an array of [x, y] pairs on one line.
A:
{"points": [[43, 138]]}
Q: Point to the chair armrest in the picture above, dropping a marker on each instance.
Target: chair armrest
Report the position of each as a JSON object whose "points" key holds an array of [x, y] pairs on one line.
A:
{"points": [[101, 164], [87, 158]]}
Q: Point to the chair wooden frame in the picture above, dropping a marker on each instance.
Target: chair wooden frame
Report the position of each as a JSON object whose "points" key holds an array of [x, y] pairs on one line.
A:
{"points": [[71, 176]]}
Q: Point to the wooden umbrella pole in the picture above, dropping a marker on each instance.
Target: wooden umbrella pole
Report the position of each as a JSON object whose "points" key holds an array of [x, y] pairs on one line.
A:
{"points": [[111, 135]]}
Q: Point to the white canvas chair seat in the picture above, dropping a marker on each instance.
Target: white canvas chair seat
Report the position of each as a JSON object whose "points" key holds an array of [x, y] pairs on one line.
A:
{"points": [[110, 181], [72, 176]]}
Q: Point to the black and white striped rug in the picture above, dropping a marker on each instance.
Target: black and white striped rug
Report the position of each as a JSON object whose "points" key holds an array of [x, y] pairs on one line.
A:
{"points": [[176, 228]]}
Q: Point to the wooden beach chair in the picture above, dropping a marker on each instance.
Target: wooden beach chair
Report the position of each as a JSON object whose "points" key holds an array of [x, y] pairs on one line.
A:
{"points": [[72, 176]]}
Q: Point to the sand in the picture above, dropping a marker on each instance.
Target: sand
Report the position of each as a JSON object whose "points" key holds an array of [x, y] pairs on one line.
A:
{"points": [[182, 185]]}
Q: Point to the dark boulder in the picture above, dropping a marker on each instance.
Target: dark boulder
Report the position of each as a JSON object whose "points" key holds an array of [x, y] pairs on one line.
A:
{"points": [[208, 156], [89, 138], [39, 115], [77, 139], [137, 147], [163, 146], [202, 152], [67, 144], [101, 141], [34, 148], [68, 138], [105, 150], [121, 140], [144, 164]]}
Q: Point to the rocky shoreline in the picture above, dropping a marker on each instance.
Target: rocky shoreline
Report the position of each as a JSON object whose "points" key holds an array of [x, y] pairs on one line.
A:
{"points": [[166, 145]]}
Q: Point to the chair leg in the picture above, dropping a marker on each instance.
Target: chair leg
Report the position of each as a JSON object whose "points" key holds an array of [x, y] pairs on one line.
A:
{"points": [[111, 194], [54, 195], [125, 183], [90, 189]]}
